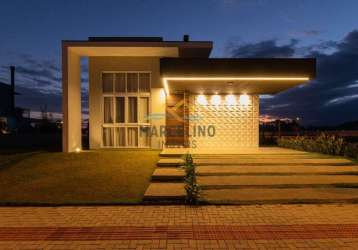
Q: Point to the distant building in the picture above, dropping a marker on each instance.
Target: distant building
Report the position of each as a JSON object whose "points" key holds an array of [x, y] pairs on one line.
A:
{"points": [[6, 100], [9, 113]]}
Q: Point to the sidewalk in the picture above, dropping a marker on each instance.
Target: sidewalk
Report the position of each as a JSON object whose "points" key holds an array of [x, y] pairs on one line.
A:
{"points": [[180, 227]]}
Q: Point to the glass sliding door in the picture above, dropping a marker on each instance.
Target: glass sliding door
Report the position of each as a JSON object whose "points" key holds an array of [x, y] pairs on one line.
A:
{"points": [[125, 107]]}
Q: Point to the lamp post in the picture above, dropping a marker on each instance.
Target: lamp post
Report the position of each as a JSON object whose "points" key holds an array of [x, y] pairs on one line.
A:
{"points": [[298, 125]]}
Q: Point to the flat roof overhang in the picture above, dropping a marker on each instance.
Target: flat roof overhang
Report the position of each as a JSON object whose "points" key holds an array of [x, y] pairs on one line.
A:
{"points": [[132, 48], [235, 76]]}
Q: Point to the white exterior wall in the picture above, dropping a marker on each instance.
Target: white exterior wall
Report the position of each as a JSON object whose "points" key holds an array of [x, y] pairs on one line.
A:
{"points": [[100, 64], [71, 102], [236, 126]]}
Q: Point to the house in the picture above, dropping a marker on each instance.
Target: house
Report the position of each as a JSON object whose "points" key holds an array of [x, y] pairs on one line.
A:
{"points": [[8, 112], [145, 92], [7, 96]]}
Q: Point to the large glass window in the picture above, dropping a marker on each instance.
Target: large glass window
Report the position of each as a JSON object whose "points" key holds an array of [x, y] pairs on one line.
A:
{"points": [[132, 109], [132, 136], [120, 109], [132, 82], [120, 137], [107, 80], [120, 83], [126, 98], [108, 137], [143, 109], [108, 109], [144, 82]]}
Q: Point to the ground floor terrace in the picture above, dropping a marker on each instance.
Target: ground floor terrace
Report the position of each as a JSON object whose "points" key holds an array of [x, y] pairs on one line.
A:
{"points": [[180, 227]]}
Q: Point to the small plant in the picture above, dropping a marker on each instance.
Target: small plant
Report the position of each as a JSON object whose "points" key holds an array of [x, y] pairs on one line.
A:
{"points": [[191, 187]]}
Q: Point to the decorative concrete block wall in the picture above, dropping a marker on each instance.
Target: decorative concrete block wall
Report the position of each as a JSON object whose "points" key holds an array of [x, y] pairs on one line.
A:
{"points": [[235, 125]]}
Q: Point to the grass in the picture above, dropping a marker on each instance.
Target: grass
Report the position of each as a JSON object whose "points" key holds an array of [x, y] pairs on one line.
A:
{"points": [[89, 177]]}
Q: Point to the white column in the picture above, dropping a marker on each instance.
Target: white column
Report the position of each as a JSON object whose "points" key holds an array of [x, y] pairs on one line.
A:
{"points": [[71, 101]]}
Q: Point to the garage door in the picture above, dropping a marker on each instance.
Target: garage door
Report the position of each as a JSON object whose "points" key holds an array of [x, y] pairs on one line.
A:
{"points": [[224, 121]]}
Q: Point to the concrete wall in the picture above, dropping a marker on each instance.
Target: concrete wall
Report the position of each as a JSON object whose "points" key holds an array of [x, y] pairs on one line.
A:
{"points": [[99, 64], [71, 101]]}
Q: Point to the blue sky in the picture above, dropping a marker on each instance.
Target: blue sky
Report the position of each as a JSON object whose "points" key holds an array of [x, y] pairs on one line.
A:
{"points": [[31, 32]]}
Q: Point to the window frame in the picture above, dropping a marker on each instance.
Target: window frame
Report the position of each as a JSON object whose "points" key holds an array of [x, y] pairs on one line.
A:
{"points": [[126, 95]]}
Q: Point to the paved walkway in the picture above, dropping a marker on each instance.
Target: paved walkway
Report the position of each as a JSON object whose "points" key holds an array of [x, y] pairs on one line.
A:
{"points": [[257, 176], [180, 227]]}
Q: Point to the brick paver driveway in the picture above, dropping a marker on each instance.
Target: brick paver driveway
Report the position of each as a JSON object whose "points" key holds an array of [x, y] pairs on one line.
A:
{"points": [[180, 227]]}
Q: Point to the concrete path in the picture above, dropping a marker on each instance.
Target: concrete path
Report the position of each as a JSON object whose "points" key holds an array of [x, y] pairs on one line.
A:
{"points": [[281, 195], [275, 170], [258, 161], [180, 227], [168, 174], [210, 182], [265, 175], [163, 192]]}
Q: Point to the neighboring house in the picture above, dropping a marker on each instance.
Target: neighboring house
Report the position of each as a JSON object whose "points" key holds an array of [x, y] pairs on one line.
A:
{"points": [[6, 100], [148, 93]]}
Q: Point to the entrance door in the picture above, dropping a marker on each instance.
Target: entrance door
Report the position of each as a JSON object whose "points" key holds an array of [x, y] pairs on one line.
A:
{"points": [[176, 120]]}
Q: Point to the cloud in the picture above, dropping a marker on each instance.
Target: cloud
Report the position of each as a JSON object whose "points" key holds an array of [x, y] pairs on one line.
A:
{"points": [[353, 85], [263, 49], [276, 106], [311, 32], [304, 33], [42, 75], [39, 83], [342, 99], [331, 98]]}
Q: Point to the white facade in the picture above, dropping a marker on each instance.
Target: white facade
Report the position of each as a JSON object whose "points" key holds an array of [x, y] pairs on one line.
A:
{"points": [[115, 117]]}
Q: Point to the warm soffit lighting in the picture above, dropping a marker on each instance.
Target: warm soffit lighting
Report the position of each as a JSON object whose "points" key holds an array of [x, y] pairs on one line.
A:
{"points": [[259, 78], [165, 84], [237, 78], [215, 100], [162, 95], [201, 99], [244, 100], [230, 100]]}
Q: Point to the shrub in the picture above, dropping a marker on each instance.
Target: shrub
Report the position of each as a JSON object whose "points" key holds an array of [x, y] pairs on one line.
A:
{"points": [[351, 150], [191, 187], [326, 144]]}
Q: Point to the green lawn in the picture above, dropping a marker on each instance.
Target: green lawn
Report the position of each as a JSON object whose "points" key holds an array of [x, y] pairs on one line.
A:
{"points": [[89, 177]]}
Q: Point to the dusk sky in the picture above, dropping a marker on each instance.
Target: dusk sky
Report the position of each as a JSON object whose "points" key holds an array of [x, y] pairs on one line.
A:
{"points": [[31, 34]]}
